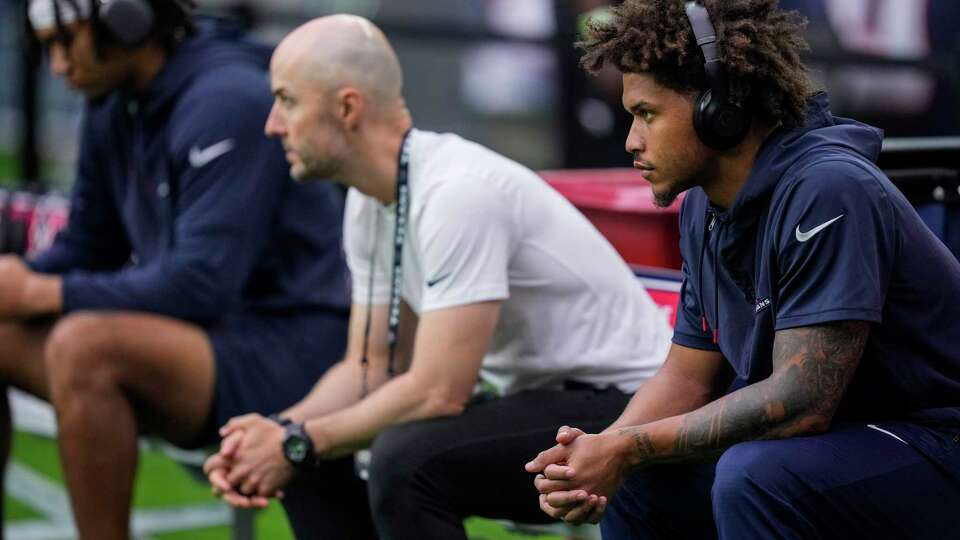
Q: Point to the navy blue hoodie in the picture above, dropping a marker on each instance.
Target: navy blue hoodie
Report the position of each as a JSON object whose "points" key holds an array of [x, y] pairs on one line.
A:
{"points": [[182, 207], [819, 234]]}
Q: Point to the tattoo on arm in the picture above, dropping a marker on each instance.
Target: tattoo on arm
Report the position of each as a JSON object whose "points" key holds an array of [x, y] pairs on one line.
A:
{"points": [[642, 441], [812, 367]]}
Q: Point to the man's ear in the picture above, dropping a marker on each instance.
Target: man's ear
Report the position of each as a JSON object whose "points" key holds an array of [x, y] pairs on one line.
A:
{"points": [[350, 107]]}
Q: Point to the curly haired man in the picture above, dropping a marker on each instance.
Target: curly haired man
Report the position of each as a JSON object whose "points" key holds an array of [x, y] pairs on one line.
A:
{"points": [[813, 385]]}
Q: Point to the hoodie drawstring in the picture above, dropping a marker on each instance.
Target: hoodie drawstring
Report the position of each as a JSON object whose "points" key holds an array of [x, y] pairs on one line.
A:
{"points": [[707, 228], [716, 293]]}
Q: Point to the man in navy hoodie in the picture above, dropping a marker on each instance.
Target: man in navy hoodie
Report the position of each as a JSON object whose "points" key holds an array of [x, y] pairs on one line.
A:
{"points": [[196, 281], [817, 345]]}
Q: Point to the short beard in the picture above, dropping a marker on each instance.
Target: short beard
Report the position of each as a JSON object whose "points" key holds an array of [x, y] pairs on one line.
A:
{"points": [[663, 200], [322, 171], [332, 162], [696, 165]]}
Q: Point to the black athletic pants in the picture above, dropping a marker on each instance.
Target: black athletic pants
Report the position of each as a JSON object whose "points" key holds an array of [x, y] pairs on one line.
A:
{"points": [[329, 503], [427, 476]]}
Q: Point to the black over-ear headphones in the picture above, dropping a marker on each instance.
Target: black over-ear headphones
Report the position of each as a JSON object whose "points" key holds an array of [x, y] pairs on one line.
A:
{"points": [[719, 123], [128, 22]]}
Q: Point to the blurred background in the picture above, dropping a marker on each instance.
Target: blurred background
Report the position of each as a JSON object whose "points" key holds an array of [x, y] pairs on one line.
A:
{"points": [[504, 73]]}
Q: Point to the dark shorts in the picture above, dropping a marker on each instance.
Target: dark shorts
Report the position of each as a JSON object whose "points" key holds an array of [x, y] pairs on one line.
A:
{"points": [[266, 364]]}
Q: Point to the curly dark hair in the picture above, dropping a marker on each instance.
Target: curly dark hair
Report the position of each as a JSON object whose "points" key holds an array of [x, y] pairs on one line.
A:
{"points": [[759, 47]]}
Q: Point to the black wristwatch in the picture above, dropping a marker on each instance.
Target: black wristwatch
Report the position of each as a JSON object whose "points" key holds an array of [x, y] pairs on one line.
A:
{"points": [[297, 446]]}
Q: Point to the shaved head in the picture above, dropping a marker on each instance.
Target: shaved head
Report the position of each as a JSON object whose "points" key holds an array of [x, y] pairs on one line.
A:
{"points": [[343, 50], [338, 105]]}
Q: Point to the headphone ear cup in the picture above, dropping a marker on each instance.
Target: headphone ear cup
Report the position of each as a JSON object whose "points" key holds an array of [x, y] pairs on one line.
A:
{"points": [[129, 22], [719, 125], [700, 124], [730, 122]]}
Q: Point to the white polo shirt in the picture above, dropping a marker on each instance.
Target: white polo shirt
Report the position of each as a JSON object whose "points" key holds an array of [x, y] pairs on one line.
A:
{"points": [[483, 227]]}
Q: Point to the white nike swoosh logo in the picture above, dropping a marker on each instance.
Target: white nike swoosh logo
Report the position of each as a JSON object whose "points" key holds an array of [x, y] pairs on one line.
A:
{"points": [[199, 158], [804, 236]]}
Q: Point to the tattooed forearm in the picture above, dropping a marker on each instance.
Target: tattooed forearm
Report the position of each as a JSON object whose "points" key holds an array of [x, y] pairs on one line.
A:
{"points": [[811, 369], [641, 440]]}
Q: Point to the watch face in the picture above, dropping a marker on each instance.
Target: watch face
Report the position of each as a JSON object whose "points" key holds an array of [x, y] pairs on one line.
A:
{"points": [[296, 449]]}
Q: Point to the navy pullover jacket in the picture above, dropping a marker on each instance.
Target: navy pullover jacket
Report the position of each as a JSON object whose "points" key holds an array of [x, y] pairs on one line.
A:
{"points": [[819, 234], [182, 207]]}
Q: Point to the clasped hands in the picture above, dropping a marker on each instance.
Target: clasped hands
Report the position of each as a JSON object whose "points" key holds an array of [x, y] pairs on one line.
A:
{"points": [[578, 476], [250, 467], [575, 478]]}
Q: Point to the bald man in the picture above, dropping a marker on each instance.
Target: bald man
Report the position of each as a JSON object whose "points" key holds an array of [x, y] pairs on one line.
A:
{"points": [[498, 280]]}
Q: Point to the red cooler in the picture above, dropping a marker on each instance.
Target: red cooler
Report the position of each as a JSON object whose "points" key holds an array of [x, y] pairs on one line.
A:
{"points": [[619, 202]]}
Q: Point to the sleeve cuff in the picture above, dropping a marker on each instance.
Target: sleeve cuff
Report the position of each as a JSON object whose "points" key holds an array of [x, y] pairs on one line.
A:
{"points": [[694, 342], [70, 289], [834, 315], [462, 298]]}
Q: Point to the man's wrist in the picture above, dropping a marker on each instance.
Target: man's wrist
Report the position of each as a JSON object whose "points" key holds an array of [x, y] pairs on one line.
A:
{"points": [[633, 446], [279, 419], [318, 436]]}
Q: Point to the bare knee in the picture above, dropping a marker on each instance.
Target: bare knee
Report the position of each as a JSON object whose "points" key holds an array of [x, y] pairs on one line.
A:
{"points": [[79, 352]]}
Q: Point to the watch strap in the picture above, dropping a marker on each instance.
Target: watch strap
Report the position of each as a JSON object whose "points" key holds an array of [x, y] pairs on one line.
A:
{"points": [[295, 431]]}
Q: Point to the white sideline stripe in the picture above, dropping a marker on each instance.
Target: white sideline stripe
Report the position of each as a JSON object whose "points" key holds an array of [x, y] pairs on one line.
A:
{"points": [[145, 522], [660, 284], [32, 415], [49, 499], [187, 458], [894, 435], [180, 518], [39, 530], [38, 492]]}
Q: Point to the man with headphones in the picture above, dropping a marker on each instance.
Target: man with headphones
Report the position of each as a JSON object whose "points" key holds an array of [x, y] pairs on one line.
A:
{"points": [[813, 385], [196, 281]]}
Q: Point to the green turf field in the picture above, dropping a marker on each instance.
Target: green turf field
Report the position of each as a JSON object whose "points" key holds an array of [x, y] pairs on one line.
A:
{"points": [[163, 483], [8, 168]]}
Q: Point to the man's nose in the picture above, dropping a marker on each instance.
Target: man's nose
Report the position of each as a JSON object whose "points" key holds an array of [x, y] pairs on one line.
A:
{"points": [[273, 127]]}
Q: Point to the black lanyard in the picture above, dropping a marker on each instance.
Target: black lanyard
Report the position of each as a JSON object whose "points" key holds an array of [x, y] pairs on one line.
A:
{"points": [[402, 200]]}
